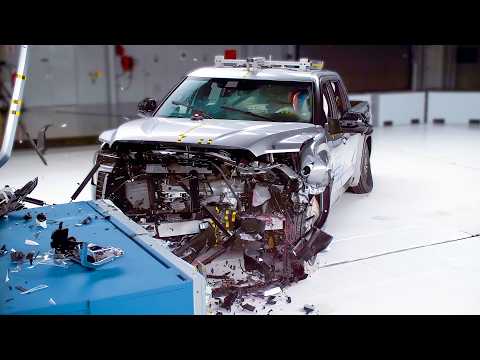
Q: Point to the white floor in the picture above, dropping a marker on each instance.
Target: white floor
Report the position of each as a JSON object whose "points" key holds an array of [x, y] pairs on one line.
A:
{"points": [[409, 247]]}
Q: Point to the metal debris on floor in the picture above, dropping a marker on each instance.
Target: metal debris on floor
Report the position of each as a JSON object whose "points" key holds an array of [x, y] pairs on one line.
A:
{"points": [[250, 302], [308, 309], [273, 291], [248, 307]]}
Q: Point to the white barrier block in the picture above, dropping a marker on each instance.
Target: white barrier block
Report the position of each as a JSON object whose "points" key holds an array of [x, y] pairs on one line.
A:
{"points": [[456, 107], [401, 108]]}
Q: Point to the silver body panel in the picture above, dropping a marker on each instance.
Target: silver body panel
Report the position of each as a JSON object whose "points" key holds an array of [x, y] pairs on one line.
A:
{"points": [[259, 137]]}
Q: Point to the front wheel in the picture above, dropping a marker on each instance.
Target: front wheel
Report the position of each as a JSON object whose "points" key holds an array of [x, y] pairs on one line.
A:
{"points": [[365, 184]]}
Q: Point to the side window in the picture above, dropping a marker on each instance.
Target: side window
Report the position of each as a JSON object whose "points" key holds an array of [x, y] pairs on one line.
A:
{"points": [[339, 100], [330, 109], [326, 107], [327, 94]]}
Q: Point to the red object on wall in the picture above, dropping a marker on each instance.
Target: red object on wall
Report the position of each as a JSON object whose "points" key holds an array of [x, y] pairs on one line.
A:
{"points": [[127, 63], [119, 50], [230, 54], [13, 78]]}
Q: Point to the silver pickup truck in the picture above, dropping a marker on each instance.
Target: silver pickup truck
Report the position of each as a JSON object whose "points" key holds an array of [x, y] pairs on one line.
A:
{"points": [[244, 158]]}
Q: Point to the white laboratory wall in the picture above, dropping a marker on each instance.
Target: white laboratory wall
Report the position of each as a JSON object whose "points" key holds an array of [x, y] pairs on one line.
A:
{"points": [[60, 75], [455, 107], [67, 121], [401, 108], [88, 60]]}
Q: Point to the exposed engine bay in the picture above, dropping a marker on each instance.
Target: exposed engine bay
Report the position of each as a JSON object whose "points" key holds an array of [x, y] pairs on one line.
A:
{"points": [[244, 222]]}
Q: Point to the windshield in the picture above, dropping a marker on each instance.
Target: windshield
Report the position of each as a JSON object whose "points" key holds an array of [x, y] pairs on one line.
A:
{"points": [[240, 99]]}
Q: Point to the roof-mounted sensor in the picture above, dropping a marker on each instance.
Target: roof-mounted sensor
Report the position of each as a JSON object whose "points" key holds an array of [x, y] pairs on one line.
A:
{"points": [[257, 63]]}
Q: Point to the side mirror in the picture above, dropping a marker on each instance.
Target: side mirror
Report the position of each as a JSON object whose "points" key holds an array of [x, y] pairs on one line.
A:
{"points": [[354, 122], [147, 106]]}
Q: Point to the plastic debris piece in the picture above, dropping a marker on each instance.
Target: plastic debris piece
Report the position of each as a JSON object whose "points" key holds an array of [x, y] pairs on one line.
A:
{"points": [[17, 256], [308, 309], [8, 300], [289, 299], [27, 217], [31, 242], [229, 300], [87, 220], [7, 278], [260, 195], [41, 217], [20, 288], [271, 300], [30, 256], [50, 258], [269, 311], [42, 220], [52, 302], [3, 250], [248, 307], [36, 288], [273, 291]]}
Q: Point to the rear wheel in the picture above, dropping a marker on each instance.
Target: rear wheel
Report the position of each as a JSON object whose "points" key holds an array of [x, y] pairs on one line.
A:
{"points": [[365, 183]]}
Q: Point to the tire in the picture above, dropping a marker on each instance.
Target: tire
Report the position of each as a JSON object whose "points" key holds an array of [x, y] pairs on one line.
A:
{"points": [[365, 184]]}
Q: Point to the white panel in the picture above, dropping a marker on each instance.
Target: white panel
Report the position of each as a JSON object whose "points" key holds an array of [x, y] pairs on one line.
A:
{"points": [[401, 108], [62, 65], [66, 121], [455, 107], [89, 59], [38, 87]]}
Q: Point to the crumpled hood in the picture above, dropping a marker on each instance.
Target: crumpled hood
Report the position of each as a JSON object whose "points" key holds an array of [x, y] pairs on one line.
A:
{"points": [[259, 137]]}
